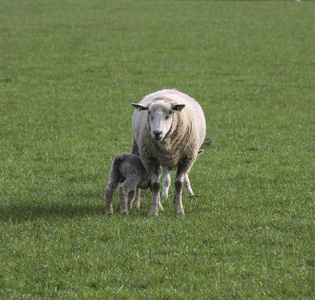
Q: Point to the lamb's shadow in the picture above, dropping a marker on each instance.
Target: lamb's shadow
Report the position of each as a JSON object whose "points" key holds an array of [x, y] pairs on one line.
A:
{"points": [[21, 213]]}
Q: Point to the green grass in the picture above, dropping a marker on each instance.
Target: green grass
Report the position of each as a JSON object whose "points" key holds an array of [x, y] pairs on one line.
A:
{"points": [[68, 73]]}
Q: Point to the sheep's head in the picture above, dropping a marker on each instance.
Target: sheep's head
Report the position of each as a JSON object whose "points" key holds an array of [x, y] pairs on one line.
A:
{"points": [[160, 115]]}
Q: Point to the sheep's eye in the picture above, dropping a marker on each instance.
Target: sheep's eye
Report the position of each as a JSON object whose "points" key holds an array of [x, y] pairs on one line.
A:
{"points": [[169, 115]]}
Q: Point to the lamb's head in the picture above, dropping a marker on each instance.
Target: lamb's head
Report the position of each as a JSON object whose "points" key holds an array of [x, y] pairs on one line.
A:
{"points": [[160, 116]]}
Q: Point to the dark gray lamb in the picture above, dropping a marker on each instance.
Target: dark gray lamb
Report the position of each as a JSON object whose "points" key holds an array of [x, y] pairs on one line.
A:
{"points": [[129, 170]]}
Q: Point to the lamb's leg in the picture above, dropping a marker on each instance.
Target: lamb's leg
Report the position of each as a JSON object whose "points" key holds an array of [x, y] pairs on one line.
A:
{"points": [[166, 181], [131, 197], [137, 201], [124, 191], [181, 174], [110, 189], [109, 196]]}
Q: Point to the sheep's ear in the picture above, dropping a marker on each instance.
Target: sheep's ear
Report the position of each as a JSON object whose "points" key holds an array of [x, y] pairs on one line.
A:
{"points": [[200, 151], [178, 107], [139, 106]]}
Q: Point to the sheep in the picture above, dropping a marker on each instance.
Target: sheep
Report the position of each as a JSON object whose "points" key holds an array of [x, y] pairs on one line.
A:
{"points": [[168, 129], [129, 170]]}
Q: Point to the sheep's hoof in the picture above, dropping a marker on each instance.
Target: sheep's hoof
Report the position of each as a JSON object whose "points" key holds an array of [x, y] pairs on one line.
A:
{"points": [[180, 212], [124, 213], [153, 212], [194, 196], [164, 195], [161, 207]]}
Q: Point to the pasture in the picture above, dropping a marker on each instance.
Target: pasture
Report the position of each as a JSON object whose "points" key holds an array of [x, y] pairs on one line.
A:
{"points": [[68, 73]]}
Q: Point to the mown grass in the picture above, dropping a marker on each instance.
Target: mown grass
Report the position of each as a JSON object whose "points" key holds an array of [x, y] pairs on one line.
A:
{"points": [[68, 72]]}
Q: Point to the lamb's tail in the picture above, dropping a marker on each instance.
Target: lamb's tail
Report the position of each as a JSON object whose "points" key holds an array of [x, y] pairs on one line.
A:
{"points": [[117, 161]]}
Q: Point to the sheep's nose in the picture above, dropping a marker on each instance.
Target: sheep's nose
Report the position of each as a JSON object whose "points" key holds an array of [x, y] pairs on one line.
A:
{"points": [[157, 134]]}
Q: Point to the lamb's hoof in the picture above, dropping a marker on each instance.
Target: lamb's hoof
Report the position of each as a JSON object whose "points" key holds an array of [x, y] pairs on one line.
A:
{"points": [[161, 207], [164, 196], [136, 204], [124, 213], [109, 211], [153, 212]]}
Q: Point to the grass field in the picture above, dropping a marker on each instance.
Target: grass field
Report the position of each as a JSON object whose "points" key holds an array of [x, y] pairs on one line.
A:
{"points": [[68, 73]]}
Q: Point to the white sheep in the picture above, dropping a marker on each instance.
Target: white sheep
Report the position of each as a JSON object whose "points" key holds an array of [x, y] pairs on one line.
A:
{"points": [[129, 170], [168, 129]]}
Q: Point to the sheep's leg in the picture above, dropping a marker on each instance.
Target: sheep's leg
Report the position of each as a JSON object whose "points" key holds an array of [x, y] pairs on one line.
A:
{"points": [[187, 182], [135, 150], [124, 191], [160, 204], [166, 181], [181, 174], [188, 187], [178, 194], [155, 191]]}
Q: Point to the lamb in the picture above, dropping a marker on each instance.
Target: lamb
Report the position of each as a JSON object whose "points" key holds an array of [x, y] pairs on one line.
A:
{"points": [[128, 169], [168, 129]]}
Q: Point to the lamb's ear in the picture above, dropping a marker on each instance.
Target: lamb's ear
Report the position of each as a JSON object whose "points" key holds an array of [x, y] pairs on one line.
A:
{"points": [[140, 106], [200, 151], [178, 107]]}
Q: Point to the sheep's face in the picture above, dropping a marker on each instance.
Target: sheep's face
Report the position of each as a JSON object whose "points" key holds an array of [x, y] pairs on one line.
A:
{"points": [[160, 116]]}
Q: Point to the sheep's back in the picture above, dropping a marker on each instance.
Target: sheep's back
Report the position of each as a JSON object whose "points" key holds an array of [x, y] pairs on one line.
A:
{"points": [[186, 136]]}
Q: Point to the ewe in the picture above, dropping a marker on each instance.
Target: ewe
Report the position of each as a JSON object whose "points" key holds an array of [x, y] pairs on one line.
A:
{"points": [[168, 129]]}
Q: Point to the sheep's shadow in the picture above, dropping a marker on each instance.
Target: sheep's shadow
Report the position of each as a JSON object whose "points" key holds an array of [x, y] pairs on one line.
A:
{"points": [[21, 213]]}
